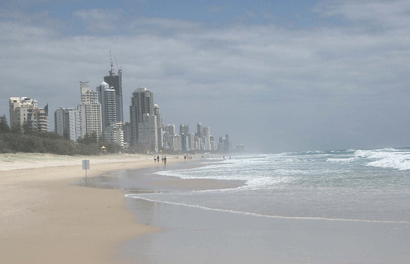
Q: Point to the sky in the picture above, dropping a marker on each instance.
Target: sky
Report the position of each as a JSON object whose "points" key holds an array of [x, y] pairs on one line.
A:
{"points": [[276, 76]]}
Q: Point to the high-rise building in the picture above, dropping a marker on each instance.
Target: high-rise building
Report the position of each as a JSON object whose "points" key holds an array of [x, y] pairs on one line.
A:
{"points": [[199, 130], [191, 141], [142, 102], [221, 144], [147, 133], [170, 128], [173, 142], [25, 110], [107, 99], [184, 142], [227, 145], [168, 135], [67, 123], [213, 143], [127, 132], [160, 129], [183, 129], [178, 143], [199, 143], [90, 111], [115, 81], [207, 138]]}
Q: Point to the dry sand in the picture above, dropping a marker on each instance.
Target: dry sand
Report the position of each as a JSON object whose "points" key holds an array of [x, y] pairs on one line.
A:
{"points": [[44, 219]]}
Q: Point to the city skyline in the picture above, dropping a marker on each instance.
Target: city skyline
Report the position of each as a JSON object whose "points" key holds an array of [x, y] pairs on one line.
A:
{"points": [[97, 113], [280, 76]]}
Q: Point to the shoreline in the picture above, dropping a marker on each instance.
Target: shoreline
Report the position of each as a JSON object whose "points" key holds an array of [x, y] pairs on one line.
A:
{"points": [[52, 220], [207, 236]]}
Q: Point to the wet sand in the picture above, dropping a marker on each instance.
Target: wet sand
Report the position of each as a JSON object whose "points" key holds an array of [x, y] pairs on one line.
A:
{"points": [[193, 235]]}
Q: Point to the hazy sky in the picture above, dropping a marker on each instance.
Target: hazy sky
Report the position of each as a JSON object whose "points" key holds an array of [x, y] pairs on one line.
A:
{"points": [[274, 75]]}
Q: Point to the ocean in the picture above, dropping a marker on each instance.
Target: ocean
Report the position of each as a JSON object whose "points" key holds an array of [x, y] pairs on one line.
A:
{"points": [[364, 185], [342, 206]]}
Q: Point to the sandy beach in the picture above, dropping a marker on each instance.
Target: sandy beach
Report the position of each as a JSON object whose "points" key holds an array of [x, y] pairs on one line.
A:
{"points": [[46, 219]]}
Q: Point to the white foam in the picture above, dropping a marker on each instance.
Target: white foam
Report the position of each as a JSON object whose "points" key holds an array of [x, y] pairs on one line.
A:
{"points": [[386, 158], [400, 163], [340, 160]]}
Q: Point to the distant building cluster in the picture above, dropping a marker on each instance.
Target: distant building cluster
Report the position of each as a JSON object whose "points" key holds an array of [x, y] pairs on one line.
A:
{"points": [[100, 113]]}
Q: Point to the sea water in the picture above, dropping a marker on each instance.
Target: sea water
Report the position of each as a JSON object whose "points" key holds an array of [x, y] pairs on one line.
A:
{"points": [[354, 185]]}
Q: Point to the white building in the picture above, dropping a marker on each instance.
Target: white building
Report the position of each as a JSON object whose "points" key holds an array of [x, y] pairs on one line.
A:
{"points": [[67, 122], [173, 142], [213, 144], [114, 134], [207, 138], [107, 99], [178, 143], [159, 127], [90, 111], [24, 110], [191, 141]]}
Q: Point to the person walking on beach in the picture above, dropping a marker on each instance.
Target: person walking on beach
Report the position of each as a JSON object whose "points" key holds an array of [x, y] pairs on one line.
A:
{"points": [[158, 158], [155, 159], [165, 160]]}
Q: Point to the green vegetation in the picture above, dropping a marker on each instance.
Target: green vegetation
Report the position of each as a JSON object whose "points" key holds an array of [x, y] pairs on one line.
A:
{"points": [[24, 139]]}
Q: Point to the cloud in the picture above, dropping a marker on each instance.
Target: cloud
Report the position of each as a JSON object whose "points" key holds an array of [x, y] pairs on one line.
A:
{"points": [[100, 20], [380, 13], [290, 87]]}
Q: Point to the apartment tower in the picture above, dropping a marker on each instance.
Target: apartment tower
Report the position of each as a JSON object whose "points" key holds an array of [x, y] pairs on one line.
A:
{"points": [[90, 111], [142, 102], [114, 81], [24, 110]]}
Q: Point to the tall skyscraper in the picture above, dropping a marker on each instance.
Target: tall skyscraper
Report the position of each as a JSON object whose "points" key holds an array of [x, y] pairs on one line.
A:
{"points": [[107, 99], [142, 102], [227, 147], [25, 110], [90, 111], [115, 81], [199, 130], [207, 138], [159, 126]]}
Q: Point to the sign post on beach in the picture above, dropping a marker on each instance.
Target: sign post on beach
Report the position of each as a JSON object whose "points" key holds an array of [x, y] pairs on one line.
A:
{"points": [[86, 166]]}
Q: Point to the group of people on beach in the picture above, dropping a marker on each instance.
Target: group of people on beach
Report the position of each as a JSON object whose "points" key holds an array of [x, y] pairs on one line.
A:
{"points": [[163, 159]]}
